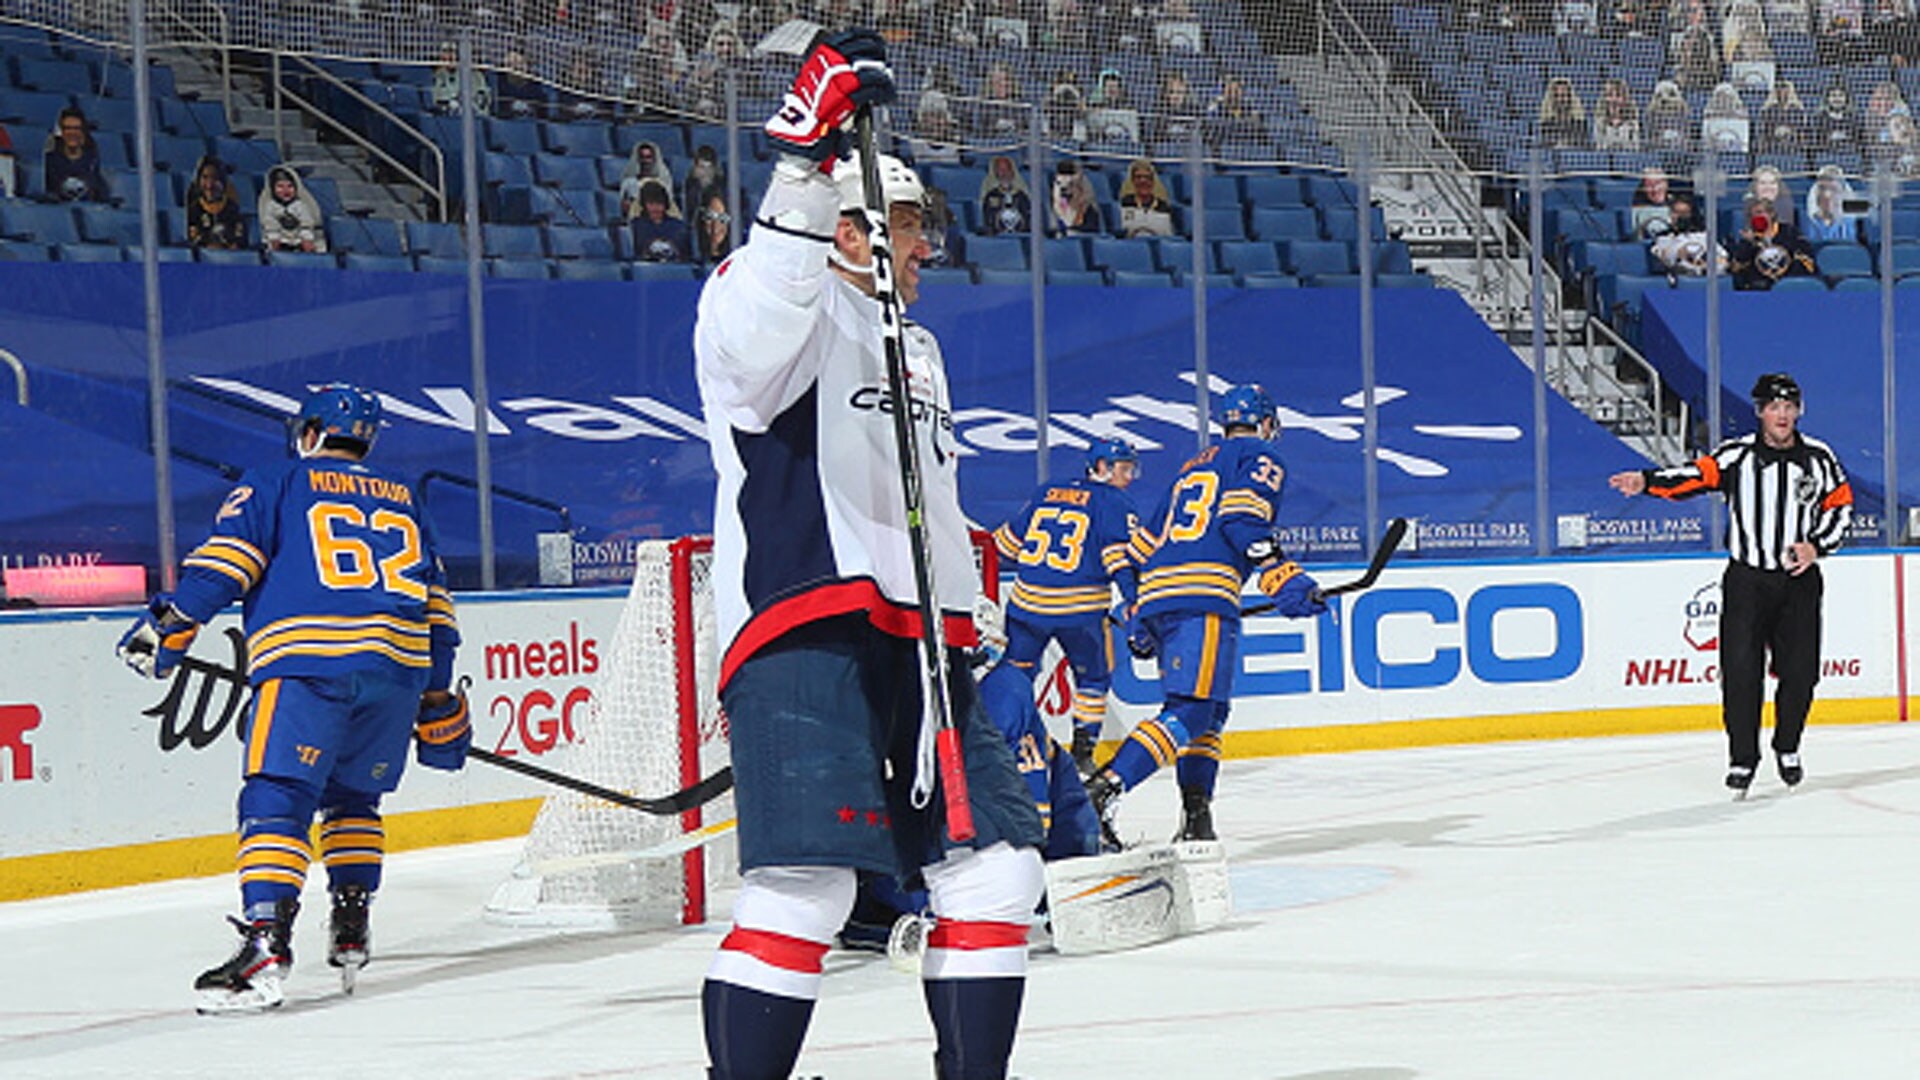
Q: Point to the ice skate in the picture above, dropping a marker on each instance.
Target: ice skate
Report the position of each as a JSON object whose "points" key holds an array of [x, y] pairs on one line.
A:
{"points": [[1740, 778], [251, 980], [350, 945], [1196, 816], [1102, 789], [1790, 771], [1084, 741]]}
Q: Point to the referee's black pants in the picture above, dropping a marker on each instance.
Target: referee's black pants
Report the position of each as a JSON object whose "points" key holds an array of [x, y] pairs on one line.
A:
{"points": [[1764, 611]]}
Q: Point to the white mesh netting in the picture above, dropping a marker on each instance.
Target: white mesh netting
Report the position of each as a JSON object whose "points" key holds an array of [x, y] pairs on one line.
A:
{"points": [[633, 742]]}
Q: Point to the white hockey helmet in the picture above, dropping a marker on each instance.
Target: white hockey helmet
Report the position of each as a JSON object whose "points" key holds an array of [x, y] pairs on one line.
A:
{"points": [[897, 180]]}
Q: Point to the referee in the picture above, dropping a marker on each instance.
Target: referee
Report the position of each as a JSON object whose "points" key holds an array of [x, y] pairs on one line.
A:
{"points": [[1789, 504]]}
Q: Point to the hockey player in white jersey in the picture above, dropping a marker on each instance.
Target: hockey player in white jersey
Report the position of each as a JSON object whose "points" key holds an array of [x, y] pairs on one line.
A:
{"points": [[814, 586]]}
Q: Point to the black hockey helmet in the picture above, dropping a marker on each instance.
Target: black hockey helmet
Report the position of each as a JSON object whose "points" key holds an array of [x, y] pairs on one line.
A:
{"points": [[1775, 386]]}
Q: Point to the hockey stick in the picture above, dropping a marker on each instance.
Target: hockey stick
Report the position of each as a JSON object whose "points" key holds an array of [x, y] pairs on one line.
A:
{"points": [[933, 638], [1396, 531], [677, 845], [679, 802]]}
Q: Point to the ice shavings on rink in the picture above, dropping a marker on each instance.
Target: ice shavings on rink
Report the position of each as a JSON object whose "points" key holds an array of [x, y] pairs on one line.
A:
{"points": [[1275, 887]]}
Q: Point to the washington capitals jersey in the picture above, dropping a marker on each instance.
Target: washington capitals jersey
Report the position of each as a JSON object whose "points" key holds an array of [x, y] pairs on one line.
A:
{"points": [[1222, 501], [809, 513], [1069, 542], [1072, 827], [336, 567]]}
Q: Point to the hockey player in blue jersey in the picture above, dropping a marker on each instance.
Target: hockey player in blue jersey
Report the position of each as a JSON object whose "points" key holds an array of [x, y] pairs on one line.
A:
{"points": [[1214, 529], [350, 639], [1072, 542]]}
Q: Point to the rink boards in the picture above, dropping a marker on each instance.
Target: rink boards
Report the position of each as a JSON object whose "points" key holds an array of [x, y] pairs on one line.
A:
{"points": [[108, 779]]}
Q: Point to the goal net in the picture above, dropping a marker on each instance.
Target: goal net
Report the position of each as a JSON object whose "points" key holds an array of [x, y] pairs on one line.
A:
{"points": [[657, 727]]}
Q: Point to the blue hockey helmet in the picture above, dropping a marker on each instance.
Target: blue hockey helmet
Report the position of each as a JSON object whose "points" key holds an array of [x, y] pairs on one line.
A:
{"points": [[1110, 451], [341, 413], [1246, 404]]}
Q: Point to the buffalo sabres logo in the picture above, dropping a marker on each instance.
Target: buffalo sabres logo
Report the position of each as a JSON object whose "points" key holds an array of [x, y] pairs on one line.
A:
{"points": [[1772, 260]]}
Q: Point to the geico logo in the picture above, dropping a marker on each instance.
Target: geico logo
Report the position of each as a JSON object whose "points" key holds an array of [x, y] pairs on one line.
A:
{"points": [[1408, 639], [15, 722], [535, 721], [878, 398]]}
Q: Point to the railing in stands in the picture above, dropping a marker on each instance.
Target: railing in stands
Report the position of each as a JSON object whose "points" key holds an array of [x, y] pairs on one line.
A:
{"points": [[19, 374], [222, 44], [435, 189]]}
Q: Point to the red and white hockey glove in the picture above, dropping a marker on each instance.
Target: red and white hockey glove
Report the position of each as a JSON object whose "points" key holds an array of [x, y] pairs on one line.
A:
{"points": [[843, 72]]}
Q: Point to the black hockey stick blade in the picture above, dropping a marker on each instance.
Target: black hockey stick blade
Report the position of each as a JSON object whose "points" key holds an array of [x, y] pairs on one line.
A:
{"points": [[1389, 543], [679, 802]]}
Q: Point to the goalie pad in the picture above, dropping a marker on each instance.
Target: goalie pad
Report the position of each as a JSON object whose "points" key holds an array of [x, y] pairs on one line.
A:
{"points": [[1105, 903]]}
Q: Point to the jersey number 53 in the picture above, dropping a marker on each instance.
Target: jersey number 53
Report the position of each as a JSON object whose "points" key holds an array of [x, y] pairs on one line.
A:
{"points": [[1056, 537]]}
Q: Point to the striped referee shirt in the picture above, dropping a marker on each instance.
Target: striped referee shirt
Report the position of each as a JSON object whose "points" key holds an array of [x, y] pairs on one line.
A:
{"points": [[1775, 498]]}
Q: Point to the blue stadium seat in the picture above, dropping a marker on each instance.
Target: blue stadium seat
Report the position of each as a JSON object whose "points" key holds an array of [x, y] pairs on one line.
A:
{"points": [[247, 157], [519, 269], [1249, 257], [109, 225], [1175, 255], [1266, 190], [436, 239], [1065, 253], [997, 252], [46, 223], [1285, 223], [1392, 257], [366, 236], [584, 138], [1839, 261], [512, 136], [1270, 281], [670, 138], [1856, 284], [645, 271], [1116, 254], [1328, 191], [509, 169], [579, 242], [24, 251], [1134, 279], [354, 260], [1342, 223], [303, 260], [1802, 284], [1076, 277], [560, 171], [1226, 223], [54, 77], [434, 264], [1004, 277], [1225, 191], [555, 206], [90, 253], [178, 154], [1306, 258], [242, 257], [513, 242]]}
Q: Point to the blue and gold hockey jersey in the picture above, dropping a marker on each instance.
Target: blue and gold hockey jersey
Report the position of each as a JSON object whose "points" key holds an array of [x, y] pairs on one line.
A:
{"points": [[337, 568], [1072, 826], [1194, 556], [1068, 542]]}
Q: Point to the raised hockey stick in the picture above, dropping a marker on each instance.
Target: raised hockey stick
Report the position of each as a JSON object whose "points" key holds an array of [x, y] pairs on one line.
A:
{"points": [[679, 802], [933, 638], [1389, 543]]}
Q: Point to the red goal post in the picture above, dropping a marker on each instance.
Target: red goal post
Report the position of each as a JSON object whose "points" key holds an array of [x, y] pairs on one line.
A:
{"points": [[656, 727]]}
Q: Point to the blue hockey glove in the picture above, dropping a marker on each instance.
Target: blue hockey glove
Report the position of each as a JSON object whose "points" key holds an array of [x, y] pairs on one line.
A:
{"points": [[158, 640], [443, 731], [843, 72], [1295, 594]]}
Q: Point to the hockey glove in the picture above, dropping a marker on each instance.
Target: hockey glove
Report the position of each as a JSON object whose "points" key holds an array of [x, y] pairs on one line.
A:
{"points": [[1140, 640], [1295, 594], [443, 732], [845, 71], [157, 641]]}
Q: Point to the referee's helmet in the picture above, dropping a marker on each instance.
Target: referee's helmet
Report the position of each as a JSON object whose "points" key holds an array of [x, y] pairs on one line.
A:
{"points": [[1775, 386]]}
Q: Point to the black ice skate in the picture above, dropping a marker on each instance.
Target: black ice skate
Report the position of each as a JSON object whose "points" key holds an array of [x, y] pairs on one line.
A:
{"points": [[350, 945], [1790, 771], [1084, 741], [1102, 789], [251, 980], [1740, 778], [1196, 816]]}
